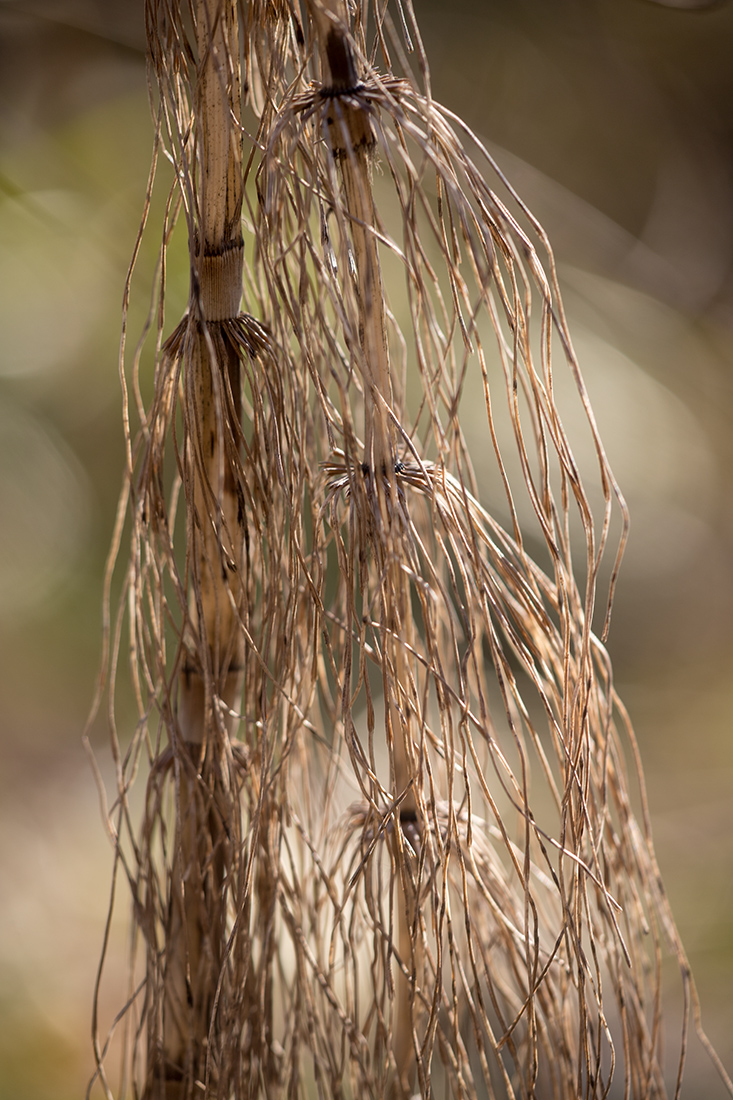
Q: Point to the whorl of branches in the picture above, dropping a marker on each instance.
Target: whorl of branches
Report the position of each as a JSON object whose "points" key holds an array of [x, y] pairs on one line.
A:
{"points": [[387, 842]]}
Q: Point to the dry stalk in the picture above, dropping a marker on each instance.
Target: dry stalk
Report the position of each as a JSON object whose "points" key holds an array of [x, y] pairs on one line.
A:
{"points": [[388, 845], [208, 682], [351, 140]]}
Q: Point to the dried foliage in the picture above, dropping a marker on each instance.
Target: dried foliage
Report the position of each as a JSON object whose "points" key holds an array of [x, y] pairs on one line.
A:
{"points": [[387, 842]]}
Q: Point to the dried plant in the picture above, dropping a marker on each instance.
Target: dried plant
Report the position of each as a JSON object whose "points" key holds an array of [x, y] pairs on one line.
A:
{"points": [[387, 842]]}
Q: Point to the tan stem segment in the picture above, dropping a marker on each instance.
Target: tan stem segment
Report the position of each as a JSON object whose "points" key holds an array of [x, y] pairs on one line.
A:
{"points": [[209, 683], [352, 140]]}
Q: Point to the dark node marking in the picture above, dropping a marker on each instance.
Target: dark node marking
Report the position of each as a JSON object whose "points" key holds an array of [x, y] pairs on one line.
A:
{"points": [[399, 468], [172, 1072], [228, 246], [410, 829], [341, 60], [335, 91], [340, 154]]}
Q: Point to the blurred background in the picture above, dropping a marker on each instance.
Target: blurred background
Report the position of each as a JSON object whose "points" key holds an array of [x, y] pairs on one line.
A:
{"points": [[614, 121]]}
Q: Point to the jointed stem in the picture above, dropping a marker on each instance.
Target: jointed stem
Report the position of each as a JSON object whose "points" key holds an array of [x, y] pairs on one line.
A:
{"points": [[351, 137], [209, 680]]}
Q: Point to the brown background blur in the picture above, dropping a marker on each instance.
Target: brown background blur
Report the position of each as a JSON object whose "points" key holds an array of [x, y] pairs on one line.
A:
{"points": [[614, 120]]}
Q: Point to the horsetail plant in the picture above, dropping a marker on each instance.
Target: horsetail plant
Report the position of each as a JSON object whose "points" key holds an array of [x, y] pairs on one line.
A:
{"points": [[387, 843]]}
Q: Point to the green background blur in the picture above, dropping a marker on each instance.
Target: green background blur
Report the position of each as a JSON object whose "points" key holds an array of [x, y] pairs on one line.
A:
{"points": [[614, 120]]}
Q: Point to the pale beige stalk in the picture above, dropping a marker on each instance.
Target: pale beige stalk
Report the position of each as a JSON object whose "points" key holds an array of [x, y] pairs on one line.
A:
{"points": [[209, 683], [352, 140]]}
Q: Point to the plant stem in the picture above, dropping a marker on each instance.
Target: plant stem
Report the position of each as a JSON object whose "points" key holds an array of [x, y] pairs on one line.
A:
{"points": [[352, 140], [209, 682]]}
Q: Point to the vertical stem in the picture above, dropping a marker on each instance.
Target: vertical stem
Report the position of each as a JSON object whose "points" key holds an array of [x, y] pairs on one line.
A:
{"points": [[209, 682], [352, 140]]}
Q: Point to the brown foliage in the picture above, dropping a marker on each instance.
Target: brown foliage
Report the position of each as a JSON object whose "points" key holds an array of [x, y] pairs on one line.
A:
{"points": [[387, 843]]}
